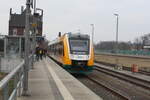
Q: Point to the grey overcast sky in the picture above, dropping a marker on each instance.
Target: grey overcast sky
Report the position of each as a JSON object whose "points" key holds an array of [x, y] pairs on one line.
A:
{"points": [[72, 15]]}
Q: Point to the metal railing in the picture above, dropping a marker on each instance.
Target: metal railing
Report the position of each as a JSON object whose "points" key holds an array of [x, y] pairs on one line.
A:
{"points": [[12, 82], [11, 85]]}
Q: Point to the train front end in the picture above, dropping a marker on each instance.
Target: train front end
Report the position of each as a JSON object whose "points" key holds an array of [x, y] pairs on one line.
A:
{"points": [[81, 54]]}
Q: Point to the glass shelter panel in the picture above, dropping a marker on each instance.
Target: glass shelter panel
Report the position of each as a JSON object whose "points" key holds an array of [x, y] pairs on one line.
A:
{"points": [[12, 54]]}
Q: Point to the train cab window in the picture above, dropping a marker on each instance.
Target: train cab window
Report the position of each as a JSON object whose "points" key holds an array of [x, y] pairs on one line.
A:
{"points": [[79, 46]]}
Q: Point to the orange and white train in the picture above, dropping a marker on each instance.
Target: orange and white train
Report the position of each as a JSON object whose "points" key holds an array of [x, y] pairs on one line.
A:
{"points": [[74, 52]]}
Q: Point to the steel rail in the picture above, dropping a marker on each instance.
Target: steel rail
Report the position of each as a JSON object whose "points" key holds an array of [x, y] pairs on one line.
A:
{"points": [[128, 78], [123, 67], [121, 95]]}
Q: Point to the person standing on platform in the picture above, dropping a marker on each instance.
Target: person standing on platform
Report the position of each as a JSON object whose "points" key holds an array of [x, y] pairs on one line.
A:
{"points": [[41, 53], [44, 53], [37, 53]]}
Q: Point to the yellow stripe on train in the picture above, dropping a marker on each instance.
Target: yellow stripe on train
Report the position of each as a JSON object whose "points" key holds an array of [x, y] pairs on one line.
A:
{"points": [[74, 52]]}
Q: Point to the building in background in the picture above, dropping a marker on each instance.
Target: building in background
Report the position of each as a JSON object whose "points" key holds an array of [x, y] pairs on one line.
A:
{"points": [[17, 23]]}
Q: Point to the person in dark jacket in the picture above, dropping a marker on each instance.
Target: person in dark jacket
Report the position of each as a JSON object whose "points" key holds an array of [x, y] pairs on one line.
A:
{"points": [[44, 52], [37, 53], [41, 53]]}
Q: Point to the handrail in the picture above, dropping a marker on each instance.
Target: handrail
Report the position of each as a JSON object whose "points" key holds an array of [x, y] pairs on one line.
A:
{"points": [[7, 78], [17, 75]]}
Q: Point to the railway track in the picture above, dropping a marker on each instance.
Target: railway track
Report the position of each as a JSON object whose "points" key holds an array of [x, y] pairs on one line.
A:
{"points": [[110, 89], [144, 72], [120, 88], [124, 68], [136, 81]]}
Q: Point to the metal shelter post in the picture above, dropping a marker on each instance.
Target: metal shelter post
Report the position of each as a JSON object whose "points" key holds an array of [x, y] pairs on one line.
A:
{"points": [[34, 25], [20, 40], [26, 66], [5, 46]]}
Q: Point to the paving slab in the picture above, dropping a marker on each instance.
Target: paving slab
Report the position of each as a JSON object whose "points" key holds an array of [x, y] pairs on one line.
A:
{"points": [[48, 81], [75, 89], [39, 86]]}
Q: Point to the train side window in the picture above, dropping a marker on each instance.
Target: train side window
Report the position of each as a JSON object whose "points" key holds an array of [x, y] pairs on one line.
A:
{"points": [[60, 48], [63, 49]]}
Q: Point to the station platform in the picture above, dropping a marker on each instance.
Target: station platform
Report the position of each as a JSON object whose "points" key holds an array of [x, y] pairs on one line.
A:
{"points": [[48, 81], [129, 73]]}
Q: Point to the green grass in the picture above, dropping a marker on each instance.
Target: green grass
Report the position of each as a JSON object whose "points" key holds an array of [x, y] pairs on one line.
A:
{"points": [[2, 75], [10, 85]]}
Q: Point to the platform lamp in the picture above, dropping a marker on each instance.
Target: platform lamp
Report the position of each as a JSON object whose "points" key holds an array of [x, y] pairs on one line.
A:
{"points": [[116, 46], [92, 25]]}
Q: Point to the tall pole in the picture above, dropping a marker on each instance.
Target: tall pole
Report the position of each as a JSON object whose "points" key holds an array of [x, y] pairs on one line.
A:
{"points": [[92, 33], [26, 66], [116, 46], [0, 64], [34, 6], [117, 15], [34, 33], [5, 46]]}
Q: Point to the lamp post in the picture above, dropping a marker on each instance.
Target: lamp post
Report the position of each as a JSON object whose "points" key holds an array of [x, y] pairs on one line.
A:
{"points": [[34, 25], [117, 15], [92, 33], [34, 6], [116, 46]]}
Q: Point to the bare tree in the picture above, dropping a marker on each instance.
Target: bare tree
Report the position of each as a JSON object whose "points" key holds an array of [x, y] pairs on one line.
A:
{"points": [[110, 45]]}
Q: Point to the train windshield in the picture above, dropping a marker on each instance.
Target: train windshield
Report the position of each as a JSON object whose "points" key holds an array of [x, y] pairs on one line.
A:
{"points": [[79, 46]]}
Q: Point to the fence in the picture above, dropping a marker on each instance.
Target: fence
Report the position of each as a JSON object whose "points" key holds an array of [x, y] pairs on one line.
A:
{"points": [[11, 85], [12, 82]]}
